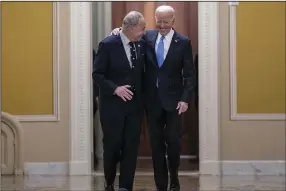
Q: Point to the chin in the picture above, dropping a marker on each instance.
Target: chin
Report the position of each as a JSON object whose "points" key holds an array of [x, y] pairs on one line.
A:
{"points": [[164, 31], [139, 38]]}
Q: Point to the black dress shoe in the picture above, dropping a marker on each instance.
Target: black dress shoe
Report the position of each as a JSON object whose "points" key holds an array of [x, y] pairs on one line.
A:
{"points": [[122, 189], [109, 188], [175, 184], [175, 187]]}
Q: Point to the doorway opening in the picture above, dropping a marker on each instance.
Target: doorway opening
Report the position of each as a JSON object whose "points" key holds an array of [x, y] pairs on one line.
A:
{"points": [[80, 85], [186, 24]]}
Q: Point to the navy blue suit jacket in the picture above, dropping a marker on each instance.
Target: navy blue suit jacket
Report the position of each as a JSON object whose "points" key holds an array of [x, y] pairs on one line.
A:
{"points": [[177, 74], [112, 69]]}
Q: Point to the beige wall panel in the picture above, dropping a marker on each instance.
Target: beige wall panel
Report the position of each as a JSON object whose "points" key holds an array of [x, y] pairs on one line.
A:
{"points": [[49, 141], [260, 57], [244, 140], [27, 61]]}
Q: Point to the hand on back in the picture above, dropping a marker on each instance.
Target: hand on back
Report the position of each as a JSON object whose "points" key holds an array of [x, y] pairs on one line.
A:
{"points": [[115, 31]]}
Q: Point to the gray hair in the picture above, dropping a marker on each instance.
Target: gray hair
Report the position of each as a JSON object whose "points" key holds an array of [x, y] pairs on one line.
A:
{"points": [[165, 8], [132, 19]]}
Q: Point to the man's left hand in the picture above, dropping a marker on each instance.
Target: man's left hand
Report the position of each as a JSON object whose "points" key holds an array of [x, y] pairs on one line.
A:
{"points": [[182, 107]]}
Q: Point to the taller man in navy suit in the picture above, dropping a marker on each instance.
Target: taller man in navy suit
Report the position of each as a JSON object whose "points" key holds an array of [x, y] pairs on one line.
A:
{"points": [[169, 87], [118, 71]]}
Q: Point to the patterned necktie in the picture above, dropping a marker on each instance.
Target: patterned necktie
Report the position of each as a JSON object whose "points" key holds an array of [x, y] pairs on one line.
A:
{"points": [[133, 53], [160, 52]]}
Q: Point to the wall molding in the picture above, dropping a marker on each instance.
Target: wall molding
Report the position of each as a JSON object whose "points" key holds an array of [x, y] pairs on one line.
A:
{"points": [[49, 168], [259, 116], [18, 133], [233, 76], [257, 168], [274, 167], [56, 79]]}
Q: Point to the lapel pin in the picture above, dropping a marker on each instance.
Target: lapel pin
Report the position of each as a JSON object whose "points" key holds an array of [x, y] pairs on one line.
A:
{"points": [[138, 45], [176, 41]]}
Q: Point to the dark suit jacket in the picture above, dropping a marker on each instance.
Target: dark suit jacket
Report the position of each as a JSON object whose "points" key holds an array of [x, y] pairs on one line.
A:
{"points": [[112, 69], [176, 75]]}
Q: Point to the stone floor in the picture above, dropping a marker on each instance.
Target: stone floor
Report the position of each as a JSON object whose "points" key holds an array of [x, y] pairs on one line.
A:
{"points": [[189, 179], [143, 183], [145, 166]]}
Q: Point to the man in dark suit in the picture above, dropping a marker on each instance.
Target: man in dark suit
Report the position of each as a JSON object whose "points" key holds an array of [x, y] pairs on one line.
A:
{"points": [[118, 71], [169, 83], [169, 87]]}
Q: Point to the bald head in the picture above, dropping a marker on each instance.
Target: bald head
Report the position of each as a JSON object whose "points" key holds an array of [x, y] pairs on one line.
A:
{"points": [[165, 18], [165, 9]]}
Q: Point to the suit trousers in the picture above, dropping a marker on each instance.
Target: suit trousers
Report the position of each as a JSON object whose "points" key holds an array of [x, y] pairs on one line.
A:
{"points": [[121, 138], [165, 131]]}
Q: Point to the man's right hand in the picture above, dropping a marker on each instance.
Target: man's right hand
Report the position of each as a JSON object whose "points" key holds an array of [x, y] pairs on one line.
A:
{"points": [[124, 93], [116, 31]]}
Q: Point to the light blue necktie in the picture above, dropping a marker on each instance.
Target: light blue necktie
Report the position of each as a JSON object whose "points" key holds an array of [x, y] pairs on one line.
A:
{"points": [[160, 55], [160, 52]]}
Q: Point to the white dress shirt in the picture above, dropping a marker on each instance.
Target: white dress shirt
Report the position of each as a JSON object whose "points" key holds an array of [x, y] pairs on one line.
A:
{"points": [[126, 46], [167, 41]]}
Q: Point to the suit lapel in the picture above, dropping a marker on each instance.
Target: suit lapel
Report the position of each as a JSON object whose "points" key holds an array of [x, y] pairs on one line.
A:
{"points": [[122, 51], [153, 38], [173, 46]]}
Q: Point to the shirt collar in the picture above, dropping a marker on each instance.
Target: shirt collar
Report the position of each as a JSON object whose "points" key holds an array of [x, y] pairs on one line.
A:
{"points": [[168, 36], [124, 38]]}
